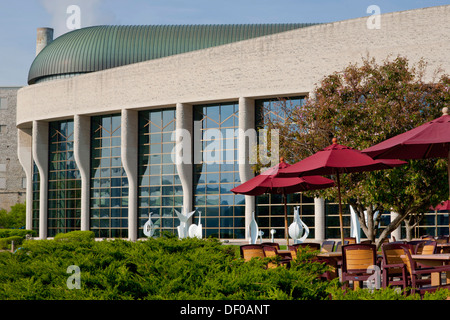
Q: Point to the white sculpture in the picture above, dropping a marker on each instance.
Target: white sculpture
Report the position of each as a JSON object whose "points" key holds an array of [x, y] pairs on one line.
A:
{"points": [[183, 228], [196, 230], [260, 233], [253, 229], [149, 228], [272, 232], [297, 228]]}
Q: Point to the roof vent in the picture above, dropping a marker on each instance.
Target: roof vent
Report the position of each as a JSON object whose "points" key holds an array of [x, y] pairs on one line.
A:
{"points": [[44, 37]]}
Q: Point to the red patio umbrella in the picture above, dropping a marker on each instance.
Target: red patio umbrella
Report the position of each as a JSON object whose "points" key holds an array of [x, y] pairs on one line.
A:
{"points": [[443, 206], [430, 140], [270, 182], [335, 160]]}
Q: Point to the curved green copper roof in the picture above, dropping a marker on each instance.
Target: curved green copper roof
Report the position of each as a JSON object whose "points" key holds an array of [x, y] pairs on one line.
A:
{"points": [[102, 47]]}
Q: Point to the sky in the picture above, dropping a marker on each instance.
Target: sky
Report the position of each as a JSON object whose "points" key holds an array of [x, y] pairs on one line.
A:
{"points": [[19, 19]]}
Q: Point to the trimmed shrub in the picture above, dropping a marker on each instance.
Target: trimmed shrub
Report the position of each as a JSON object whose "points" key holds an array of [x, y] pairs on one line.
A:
{"points": [[5, 233], [5, 243], [75, 236]]}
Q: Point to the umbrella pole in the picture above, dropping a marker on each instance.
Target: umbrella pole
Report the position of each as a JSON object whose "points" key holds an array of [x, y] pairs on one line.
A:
{"points": [[340, 208], [286, 220]]}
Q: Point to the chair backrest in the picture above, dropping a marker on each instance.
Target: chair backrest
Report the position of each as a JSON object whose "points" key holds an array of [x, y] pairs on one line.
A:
{"points": [[366, 241], [270, 251], [358, 257], [271, 244], [310, 246], [250, 251], [338, 247], [350, 240], [392, 253], [327, 246], [442, 239], [429, 247], [408, 260]]}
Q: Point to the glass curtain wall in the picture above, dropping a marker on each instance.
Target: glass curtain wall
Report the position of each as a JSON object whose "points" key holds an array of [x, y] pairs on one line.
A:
{"points": [[35, 205], [160, 190], [64, 185], [270, 207], [216, 171], [109, 184]]}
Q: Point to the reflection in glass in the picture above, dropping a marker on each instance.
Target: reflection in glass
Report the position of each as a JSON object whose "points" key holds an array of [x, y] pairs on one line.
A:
{"points": [[109, 184], [223, 214], [64, 185], [158, 177]]}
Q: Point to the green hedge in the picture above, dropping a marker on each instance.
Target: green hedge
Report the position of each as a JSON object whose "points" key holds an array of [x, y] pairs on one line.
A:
{"points": [[76, 236], [163, 268], [16, 235], [5, 233]]}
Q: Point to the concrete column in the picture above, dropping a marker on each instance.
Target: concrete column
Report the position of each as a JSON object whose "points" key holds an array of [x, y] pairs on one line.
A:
{"points": [[246, 122], [24, 152], [397, 233], [40, 156], [184, 136], [319, 219], [82, 141], [129, 154]]}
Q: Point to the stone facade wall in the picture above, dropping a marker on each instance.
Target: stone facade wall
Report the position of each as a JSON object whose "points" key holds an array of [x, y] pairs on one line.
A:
{"points": [[12, 189]]}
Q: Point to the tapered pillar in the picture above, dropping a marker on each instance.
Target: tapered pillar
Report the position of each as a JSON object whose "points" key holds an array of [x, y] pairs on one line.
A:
{"points": [[24, 152], [82, 140], [40, 156], [129, 154], [183, 152], [246, 146]]}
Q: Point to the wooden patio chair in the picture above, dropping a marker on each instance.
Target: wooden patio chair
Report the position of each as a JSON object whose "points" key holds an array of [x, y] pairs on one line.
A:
{"points": [[327, 246], [429, 247], [306, 245], [338, 247], [393, 266], [416, 273], [250, 251], [356, 260], [272, 244], [272, 252], [350, 240]]}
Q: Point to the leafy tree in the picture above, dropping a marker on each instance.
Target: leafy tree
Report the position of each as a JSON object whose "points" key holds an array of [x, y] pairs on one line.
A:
{"points": [[362, 106], [15, 218]]}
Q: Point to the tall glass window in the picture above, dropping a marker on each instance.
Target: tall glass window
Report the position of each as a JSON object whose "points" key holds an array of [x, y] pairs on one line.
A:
{"points": [[216, 171], [35, 205], [160, 190], [270, 207], [64, 185], [109, 184]]}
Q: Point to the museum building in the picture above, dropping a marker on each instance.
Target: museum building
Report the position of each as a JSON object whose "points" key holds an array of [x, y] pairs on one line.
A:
{"points": [[105, 106]]}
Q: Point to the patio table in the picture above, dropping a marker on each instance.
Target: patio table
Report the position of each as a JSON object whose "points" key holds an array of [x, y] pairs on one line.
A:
{"points": [[334, 259], [443, 247], [434, 260]]}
